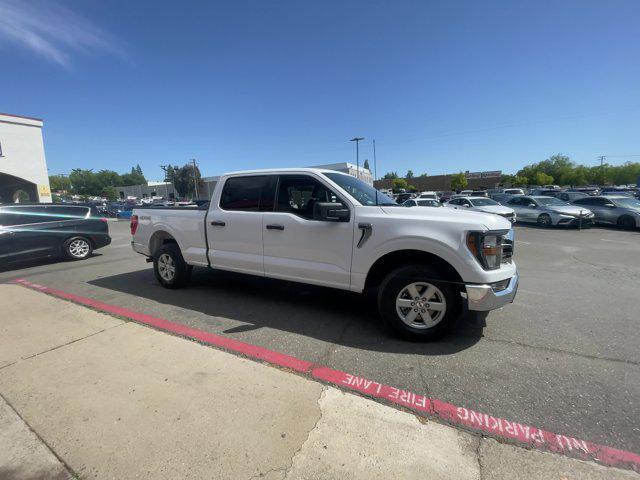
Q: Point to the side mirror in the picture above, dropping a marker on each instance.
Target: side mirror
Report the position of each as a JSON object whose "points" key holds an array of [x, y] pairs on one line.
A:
{"points": [[609, 205], [532, 205], [330, 212], [465, 205]]}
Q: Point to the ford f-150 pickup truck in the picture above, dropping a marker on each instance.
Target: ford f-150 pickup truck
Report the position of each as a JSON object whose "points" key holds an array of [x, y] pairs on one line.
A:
{"points": [[328, 228]]}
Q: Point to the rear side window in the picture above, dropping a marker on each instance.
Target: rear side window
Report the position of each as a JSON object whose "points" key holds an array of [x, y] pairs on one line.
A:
{"points": [[249, 194], [67, 213], [24, 215]]}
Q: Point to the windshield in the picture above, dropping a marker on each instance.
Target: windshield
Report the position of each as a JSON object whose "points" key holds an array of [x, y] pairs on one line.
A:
{"points": [[362, 192], [550, 201], [483, 202], [627, 202], [428, 203]]}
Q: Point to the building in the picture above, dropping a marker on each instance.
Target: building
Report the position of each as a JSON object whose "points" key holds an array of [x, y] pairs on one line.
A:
{"points": [[476, 181], [345, 167], [23, 167], [148, 190]]}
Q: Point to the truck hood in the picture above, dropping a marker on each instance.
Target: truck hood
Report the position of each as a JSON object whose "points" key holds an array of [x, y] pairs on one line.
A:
{"points": [[467, 219]]}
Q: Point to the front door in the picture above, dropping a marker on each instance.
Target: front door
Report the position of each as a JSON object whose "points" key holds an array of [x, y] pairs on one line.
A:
{"points": [[299, 248]]}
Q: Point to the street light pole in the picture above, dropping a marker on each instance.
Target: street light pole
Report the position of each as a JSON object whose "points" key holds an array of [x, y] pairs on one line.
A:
{"points": [[195, 178], [357, 140]]}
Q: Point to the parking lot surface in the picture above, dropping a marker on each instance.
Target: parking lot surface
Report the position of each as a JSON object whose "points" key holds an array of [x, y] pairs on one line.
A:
{"points": [[563, 357]]}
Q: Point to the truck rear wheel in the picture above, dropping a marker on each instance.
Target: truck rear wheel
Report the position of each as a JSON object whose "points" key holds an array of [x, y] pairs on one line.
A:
{"points": [[170, 268], [417, 304]]}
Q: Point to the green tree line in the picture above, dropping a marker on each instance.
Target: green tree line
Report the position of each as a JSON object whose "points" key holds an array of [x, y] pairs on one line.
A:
{"points": [[100, 183], [560, 170]]}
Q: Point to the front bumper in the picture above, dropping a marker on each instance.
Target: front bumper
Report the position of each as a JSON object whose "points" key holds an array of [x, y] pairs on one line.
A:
{"points": [[487, 297]]}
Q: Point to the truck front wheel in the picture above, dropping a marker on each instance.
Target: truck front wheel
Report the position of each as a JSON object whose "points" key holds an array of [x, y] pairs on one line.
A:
{"points": [[417, 304], [170, 268]]}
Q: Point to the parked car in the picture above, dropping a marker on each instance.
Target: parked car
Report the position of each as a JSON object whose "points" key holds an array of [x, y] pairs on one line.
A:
{"points": [[432, 195], [328, 228], [29, 231], [547, 192], [587, 190], [548, 211], [422, 202], [513, 191], [479, 193], [501, 198], [403, 197], [124, 212], [482, 204], [570, 196], [466, 193], [618, 210]]}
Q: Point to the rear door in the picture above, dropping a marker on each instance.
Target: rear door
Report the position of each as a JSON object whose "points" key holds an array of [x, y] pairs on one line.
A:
{"points": [[234, 223], [299, 248], [30, 232]]}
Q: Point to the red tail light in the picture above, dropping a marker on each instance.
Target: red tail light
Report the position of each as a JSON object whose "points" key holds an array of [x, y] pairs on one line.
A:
{"points": [[134, 224]]}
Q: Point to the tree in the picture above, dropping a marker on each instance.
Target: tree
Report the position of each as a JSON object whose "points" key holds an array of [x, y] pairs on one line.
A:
{"points": [[519, 181], [59, 183], [409, 174], [399, 184], [422, 175], [110, 193], [84, 182], [135, 177], [366, 164], [458, 182], [412, 188], [183, 181], [542, 178], [390, 175]]}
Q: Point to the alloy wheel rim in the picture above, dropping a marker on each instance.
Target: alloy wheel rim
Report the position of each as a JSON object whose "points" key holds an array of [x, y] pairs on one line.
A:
{"points": [[79, 248], [166, 267], [421, 305]]}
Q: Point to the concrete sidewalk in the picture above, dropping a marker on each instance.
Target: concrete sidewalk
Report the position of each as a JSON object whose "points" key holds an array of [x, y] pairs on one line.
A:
{"points": [[93, 395]]}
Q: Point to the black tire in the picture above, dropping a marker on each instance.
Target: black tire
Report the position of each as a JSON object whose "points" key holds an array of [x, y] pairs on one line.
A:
{"points": [[626, 222], [544, 220], [395, 288], [181, 271], [77, 248]]}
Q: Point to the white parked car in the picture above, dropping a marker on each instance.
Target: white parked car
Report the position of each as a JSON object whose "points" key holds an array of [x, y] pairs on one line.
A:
{"points": [[483, 204], [432, 195], [328, 228], [513, 191], [422, 202]]}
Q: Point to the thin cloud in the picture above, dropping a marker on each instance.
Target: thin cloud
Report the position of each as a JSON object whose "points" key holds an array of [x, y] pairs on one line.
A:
{"points": [[52, 31]]}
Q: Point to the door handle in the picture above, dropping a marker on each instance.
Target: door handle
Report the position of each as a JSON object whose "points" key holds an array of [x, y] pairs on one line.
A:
{"points": [[275, 227], [218, 223]]}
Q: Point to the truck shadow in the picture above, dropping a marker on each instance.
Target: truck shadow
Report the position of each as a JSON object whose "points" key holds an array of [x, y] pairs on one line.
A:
{"points": [[326, 314]]}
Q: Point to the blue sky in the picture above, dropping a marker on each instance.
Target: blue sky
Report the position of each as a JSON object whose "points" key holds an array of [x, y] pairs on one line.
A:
{"points": [[441, 86]]}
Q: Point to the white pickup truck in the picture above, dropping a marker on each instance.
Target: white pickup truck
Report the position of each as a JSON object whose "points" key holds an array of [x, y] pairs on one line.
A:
{"points": [[327, 228]]}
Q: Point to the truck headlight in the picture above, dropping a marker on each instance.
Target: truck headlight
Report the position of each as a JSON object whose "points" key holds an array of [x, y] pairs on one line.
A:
{"points": [[487, 248]]}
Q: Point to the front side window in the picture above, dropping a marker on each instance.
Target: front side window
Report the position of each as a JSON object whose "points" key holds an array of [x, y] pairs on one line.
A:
{"points": [[299, 194], [362, 192], [550, 201], [483, 202]]}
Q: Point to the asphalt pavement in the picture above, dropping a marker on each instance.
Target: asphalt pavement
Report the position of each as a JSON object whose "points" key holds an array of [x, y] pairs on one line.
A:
{"points": [[563, 357]]}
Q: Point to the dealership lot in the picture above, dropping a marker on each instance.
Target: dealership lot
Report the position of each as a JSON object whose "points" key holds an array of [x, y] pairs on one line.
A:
{"points": [[563, 357]]}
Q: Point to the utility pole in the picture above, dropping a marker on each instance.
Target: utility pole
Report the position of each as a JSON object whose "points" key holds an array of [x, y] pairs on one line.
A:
{"points": [[357, 140], [602, 159], [195, 178]]}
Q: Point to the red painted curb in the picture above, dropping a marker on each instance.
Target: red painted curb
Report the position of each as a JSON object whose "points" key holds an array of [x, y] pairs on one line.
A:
{"points": [[498, 427]]}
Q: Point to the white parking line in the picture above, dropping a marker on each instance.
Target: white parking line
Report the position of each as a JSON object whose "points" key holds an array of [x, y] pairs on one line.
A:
{"points": [[524, 243], [121, 246]]}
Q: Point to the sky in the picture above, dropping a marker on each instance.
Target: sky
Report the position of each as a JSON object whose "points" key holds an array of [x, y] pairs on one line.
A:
{"points": [[441, 86]]}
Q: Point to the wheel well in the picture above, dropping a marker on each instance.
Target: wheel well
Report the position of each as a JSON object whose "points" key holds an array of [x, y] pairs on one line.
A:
{"points": [[159, 239], [393, 260]]}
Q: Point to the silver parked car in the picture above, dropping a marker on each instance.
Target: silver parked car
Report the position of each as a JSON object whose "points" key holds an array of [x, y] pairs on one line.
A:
{"points": [[548, 211], [621, 210], [483, 204], [422, 202]]}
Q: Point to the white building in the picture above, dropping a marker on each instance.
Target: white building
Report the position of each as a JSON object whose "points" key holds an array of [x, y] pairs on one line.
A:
{"points": [[345, 167], [23, 167]]}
